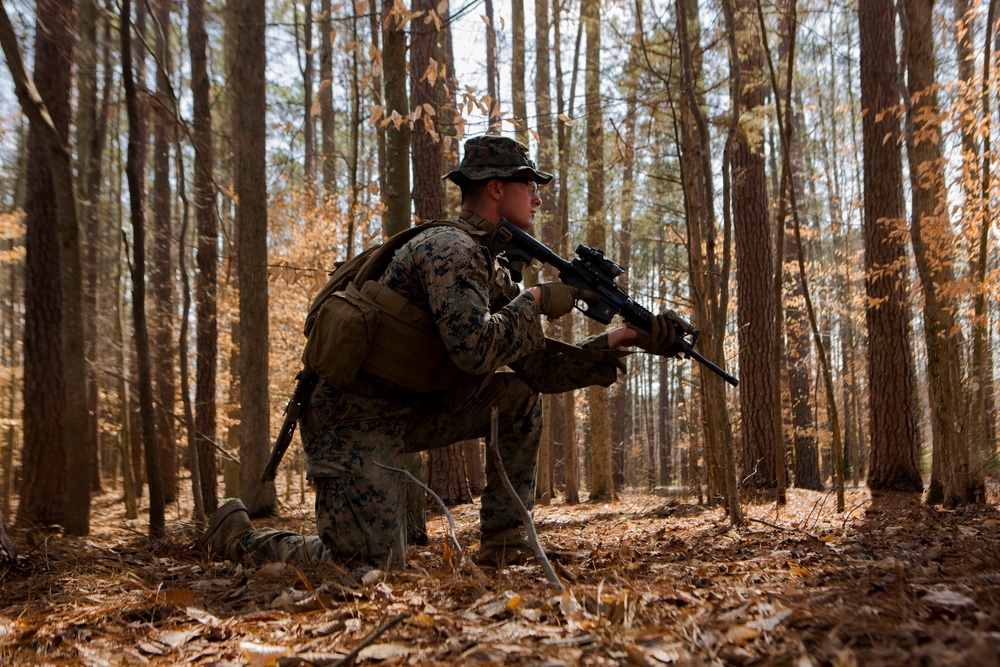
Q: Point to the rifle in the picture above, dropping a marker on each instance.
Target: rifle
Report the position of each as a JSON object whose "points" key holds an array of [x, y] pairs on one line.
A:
{"points": [[303, 385], [594, 272]]}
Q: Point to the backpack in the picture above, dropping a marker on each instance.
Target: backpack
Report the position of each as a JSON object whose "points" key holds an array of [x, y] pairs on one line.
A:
{"points": [[356, 324]]}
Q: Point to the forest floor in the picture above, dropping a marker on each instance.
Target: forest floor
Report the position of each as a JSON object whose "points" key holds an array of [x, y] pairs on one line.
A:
{"points": [[651, 580]]}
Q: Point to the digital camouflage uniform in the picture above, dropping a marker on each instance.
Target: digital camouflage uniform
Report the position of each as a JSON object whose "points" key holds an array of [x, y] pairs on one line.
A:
{"points": [[487, 323]]}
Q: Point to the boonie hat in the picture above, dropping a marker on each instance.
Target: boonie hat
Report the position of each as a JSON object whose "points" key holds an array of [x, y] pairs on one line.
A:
{"points": [[491, 156]]}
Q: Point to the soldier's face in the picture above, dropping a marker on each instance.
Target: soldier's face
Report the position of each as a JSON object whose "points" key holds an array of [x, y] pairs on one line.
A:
{"points": [[519, 202]]}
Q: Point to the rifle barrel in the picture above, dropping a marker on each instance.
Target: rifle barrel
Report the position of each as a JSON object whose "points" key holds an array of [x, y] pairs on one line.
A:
{"points": [[690, 352]]}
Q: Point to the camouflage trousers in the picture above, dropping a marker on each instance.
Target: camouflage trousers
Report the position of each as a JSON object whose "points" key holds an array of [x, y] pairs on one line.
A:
{"points": [[348, 438]]}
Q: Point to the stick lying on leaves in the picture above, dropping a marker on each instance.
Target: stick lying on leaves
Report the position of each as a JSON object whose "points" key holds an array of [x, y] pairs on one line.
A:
{"points": [[321, 660], [529, 525]]}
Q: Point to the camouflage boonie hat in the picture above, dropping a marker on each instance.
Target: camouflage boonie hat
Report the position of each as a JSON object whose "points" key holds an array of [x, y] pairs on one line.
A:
{"points": [[491, 156]]}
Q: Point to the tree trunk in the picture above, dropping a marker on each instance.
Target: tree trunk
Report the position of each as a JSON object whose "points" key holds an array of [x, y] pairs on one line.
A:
{"points": [[396, 187], [892, 402], [622, 407], [517, 72], [135, 186], [445, 470], [206, 277], [425, 91], [933, 244], [706, 285], [309, 118], [90, 145], [51, 412], [571, 471], [251, 246], [601, 468], [545, 224], [492, 88], [161, 274], [751, 222], [326, 115]]}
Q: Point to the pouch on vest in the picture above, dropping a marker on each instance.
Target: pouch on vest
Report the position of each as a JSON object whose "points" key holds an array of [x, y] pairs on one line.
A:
{"points": [[340, 336], [406, 351]]}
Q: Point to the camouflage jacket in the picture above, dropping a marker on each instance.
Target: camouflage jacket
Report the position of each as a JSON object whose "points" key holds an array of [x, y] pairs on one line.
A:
{"points": [[484, 319]]}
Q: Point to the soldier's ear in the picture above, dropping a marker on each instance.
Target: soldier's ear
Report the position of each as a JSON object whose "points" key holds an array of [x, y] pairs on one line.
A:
{"points": [[494, 188]]}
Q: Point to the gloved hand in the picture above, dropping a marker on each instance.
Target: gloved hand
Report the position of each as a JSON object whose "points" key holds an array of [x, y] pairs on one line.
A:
{"points": [[557, 298], [662, 336]]}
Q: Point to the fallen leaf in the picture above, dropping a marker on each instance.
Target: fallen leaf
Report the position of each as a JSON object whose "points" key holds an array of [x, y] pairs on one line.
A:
{"points": [[262, 655], [741, 635], [384, 652]]}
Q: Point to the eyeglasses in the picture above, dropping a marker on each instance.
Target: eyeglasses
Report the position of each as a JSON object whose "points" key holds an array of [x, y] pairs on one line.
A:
{"points": [[532, 185]]}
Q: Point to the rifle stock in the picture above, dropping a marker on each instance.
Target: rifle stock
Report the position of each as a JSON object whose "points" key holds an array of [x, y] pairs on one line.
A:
{"points": [[592, 271], [303, 385]]}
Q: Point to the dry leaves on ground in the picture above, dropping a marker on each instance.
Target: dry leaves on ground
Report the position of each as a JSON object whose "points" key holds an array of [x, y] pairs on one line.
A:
{"points": [[651, 581]]}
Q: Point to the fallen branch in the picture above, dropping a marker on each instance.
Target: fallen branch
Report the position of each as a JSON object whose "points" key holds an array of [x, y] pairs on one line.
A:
{"points": [[529, 525], [337, 660], [451, 521]]}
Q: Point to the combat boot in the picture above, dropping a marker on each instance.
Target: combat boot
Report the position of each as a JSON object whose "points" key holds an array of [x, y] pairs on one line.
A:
{"points": [[224, 535], [508, 547]]}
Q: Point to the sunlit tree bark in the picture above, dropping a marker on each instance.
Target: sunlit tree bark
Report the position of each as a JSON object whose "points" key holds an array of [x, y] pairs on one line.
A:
{"points": [[396, 184], [754, 258], [933, 248], [892, 401], [251, 247], [601, 466]]}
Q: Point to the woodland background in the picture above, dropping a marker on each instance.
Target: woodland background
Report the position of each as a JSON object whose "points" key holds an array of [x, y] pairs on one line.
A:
{"points": [[809, 182]]}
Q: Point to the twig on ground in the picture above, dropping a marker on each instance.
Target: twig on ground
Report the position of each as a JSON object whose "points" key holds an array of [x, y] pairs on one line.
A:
{"points": [[803, 532], [338, 660], [309, 586], [529, 525], [451, 521]]}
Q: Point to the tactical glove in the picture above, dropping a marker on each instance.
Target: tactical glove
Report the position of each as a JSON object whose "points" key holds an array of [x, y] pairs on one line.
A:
{"points": [[557, 299], [664, 333]]}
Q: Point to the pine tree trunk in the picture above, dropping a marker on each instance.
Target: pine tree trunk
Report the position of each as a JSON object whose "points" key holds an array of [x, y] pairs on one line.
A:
{"points": [[326, 114], [707, 285], [135, 185], [396, 187], [90, 144], [162, 267], [518, 98], [44, 471], [601, 482], [892, 401], [933, 244], [207, 261], [751, 224], [251, 245], [309, 119]]}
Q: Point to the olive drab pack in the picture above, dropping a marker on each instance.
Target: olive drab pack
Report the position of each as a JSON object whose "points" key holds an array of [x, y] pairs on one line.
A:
{"points": [[356, 326]]}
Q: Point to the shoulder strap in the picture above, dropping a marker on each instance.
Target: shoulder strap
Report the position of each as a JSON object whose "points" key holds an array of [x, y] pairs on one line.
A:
{"points": [[372, 262], [383, 254]]}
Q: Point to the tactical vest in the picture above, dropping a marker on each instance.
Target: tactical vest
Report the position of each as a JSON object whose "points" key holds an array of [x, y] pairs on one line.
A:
{"points": [[359, 332]]}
